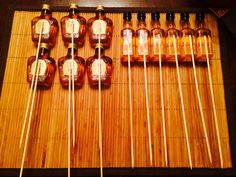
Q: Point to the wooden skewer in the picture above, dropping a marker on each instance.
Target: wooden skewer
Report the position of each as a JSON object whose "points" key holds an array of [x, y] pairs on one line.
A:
{"points": [[130, 109], [199, 100], [99, 104], [182, 104], [36, 73], [147, 108], [162, 99], [213, 103], [69, 124], [31, 88]]}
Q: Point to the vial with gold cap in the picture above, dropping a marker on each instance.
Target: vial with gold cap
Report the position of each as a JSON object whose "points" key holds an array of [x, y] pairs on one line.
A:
{"points": [[46, 25], [44, 68], [96, 66], [73, 25], [71, 66], [100, 27]]}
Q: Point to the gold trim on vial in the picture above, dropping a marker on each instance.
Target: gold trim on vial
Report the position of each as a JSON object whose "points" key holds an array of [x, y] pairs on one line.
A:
{"points": [[99, 46], [70, 45], [44, 45], [100, 7], [46, 6], [73, 6]]}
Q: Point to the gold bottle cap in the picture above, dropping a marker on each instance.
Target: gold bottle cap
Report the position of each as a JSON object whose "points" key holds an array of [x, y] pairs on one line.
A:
{"points": [[70, 45], [99, 46], [44, 45], [46, 6], [73, 6], [100, 7]]}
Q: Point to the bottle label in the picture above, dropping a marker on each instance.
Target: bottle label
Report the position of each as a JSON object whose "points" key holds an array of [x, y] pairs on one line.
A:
{"points": [[72, 26], [99, 65], [201, 47], [157, 40], [99, 26], [127, 43], [68, 67], [143, 43], [42, 25], [42, 68]]}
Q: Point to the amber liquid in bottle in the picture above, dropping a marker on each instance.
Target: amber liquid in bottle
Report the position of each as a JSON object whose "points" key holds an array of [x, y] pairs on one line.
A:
{"points": [[185, 34], [201, 33], [46, 65], [47, 25], [127, 39], [171, 33], [102, 25], [92, 66], [157, 39], [65, 66], [142, 39], [75, 25]]}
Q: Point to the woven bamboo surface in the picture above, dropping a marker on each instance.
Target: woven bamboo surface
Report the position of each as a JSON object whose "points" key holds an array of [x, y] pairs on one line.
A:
{"points": [[47, 146]]}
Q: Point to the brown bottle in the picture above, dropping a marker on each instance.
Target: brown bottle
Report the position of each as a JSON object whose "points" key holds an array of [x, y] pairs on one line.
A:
{"points": [[201, 33], [185, 33], [65, 66], [92, 65], [142, 39], [47, 25], [73, 24], [127, 39], [102, 25], [171, 33], [157, 39], [46, 65]]}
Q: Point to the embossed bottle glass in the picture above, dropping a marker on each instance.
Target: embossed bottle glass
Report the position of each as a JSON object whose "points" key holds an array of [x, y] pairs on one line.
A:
{"points": [[73, 24], [157, 38], [185, 33], [201, 33], [46, 25], [65, 67], [142, 39], [171, 34], [46, 67], [102, 25], [92, 66], [127, 39]]}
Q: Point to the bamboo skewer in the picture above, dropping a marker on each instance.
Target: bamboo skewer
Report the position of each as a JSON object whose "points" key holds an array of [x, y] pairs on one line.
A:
{"points": [[162, 100], [213, 103], [31, 88], [147, 108], [199, 100], [99, 104], [182, 104], [130, 109], [69, 123], [36, 73]]}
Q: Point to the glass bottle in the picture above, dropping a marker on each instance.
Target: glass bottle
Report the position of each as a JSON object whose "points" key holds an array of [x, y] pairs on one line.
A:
{"points": [[201, 33], [92, 66], [127, 39], [47, 25], [171, 33], [142, 39], [102, 25], [73, 23], [65, 67], [157, 38], [46, 65], [185, 33]]}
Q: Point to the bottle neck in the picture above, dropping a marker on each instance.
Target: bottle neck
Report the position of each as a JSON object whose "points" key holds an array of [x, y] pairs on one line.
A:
{"points": [[156, 24], [170, 24], [73, 12], [100, 14], [200, 24], [70, 50], [127, 24], [46, 12], [184, 24], [141, 24], [101, 51], [44, 53]]}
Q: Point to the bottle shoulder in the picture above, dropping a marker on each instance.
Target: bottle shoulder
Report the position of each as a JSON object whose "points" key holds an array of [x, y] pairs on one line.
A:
{"points": [[202, 31], [187, 31], [157, 31], [141, 29], [127, 29], [172, 31]]}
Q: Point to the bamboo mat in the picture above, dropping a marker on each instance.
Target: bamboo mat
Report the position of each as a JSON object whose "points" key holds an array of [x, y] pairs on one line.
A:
{"points": [[48, 135]]}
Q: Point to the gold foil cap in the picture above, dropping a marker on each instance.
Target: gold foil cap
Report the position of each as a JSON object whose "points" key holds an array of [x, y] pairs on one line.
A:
{"points": [[46, 6], [99, 46], [70, 45], [100, 7], [73, 6], [44, 45]]}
